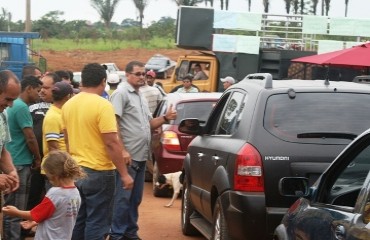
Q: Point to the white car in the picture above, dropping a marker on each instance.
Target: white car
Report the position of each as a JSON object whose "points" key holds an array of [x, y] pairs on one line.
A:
{"points": [[111, 67]]}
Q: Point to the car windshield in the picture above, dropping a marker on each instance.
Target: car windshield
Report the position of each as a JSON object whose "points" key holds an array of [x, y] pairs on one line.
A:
{"points": [[342, 116], [157, 61], [199, 110]]}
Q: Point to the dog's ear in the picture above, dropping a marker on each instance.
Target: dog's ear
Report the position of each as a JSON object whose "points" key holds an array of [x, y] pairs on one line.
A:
{"points": [[161, 179]]}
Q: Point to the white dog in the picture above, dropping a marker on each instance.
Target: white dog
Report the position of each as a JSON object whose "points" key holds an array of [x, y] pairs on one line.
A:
{"points": [[171, 179]]}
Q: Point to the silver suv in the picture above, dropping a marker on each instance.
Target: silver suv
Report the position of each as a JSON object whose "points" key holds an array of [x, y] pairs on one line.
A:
{"points": [[260, 131]]}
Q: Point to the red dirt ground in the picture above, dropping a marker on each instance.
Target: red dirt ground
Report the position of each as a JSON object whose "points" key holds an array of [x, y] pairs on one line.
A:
{"points": [[75, 60]]}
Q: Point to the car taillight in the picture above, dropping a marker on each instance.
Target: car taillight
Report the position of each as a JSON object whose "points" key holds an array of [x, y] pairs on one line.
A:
{"points": [[170, 141], [248, 174]]}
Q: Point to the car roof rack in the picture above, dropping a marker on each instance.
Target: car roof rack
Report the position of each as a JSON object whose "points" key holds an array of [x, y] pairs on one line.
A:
{"points": [[262, 76], [362, 79]]}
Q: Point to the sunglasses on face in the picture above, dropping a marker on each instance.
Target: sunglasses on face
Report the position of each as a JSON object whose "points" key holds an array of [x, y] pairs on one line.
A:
{"points": [[138, 74]]}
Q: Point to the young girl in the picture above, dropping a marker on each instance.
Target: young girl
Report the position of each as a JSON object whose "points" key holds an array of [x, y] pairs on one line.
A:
{"points": [[56, 214]]}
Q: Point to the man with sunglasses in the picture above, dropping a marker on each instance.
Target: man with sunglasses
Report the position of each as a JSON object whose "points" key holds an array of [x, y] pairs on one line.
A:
{"points": [[135, 123]]}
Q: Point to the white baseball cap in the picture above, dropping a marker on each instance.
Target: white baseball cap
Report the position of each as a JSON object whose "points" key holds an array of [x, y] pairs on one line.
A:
{"points": [[113, 78], [229, 79]]}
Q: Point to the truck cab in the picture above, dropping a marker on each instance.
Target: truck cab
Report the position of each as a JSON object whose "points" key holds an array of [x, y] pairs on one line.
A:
{"points": [[186, 64], [15, 51]]}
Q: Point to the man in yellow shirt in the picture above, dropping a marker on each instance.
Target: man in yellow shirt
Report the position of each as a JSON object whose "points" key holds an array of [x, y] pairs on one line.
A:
{"points": [[52, 127], [92, 140]]}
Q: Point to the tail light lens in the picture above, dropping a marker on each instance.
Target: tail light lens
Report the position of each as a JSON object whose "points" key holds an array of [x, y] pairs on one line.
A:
{"points": [[248, 174], [170, 141]]}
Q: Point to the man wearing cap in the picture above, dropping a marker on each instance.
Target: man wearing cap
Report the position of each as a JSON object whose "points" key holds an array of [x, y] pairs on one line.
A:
{"points": [[150, 77], [152, 95], [52, 127], [227, 81], [113, 81]]}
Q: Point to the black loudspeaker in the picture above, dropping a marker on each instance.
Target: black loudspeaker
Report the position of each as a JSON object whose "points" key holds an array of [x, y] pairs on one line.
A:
{"points": [[194, 28]]}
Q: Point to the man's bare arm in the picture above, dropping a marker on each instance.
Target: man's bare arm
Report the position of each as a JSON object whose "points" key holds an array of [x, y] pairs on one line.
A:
{"points": [[10, 182], [32, 145], [53, 145], [114, 149]]}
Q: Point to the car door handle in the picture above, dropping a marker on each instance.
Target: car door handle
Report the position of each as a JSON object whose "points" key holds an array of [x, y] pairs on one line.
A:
{"points": [[215, 159], [200, 156], [340, 232]]}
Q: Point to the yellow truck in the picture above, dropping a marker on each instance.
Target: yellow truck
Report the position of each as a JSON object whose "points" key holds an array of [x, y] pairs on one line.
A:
{"points": [[186, 64]]}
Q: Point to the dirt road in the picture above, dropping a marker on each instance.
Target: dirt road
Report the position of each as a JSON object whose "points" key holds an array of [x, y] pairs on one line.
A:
{"points": [[75, 60], [157, 222]]}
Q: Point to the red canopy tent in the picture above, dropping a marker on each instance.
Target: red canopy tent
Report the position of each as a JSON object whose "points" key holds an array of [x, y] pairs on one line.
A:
{"points": [[357, 56]]}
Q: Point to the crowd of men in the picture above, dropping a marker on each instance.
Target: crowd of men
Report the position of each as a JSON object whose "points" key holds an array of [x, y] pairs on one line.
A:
{"points": [[108, 133], [109, 139]]}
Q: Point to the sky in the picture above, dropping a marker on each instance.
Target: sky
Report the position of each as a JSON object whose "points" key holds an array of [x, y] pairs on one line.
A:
{"points": [[82, 10]]}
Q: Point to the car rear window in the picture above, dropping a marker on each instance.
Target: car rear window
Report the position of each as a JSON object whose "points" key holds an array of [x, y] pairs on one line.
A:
{"points": [[324, 118], [199, 110]]}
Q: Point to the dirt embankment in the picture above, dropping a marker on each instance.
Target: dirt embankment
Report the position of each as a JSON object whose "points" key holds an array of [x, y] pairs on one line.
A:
{"points": [[75, 60]]}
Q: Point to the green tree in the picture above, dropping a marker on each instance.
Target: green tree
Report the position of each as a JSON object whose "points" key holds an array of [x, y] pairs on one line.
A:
{"points": [[50, 25], [187, 2], [141, 5], [5, 20], [106, 9], [210, 2], [288, 4], [314, 6], [327, 7], [266, 4], [164, 27]]}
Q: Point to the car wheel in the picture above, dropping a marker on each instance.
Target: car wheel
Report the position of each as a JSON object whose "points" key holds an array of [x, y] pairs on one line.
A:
{"points": [[186, 211], [220, 231]]}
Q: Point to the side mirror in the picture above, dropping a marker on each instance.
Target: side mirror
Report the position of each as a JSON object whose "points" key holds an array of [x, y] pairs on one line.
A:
{"points": [[294, 187], [190, 126]]}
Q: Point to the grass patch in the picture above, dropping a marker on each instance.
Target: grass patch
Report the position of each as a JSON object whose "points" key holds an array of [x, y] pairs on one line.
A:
{"points": [[101, 44]]}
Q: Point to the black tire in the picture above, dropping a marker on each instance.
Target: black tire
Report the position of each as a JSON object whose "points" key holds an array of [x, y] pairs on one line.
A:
{"points": [[220, 231], [186, 211]]}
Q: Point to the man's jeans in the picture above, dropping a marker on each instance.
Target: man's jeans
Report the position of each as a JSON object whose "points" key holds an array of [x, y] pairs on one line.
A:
{"points": [[126, 203], [97, 191], [19, 198]]}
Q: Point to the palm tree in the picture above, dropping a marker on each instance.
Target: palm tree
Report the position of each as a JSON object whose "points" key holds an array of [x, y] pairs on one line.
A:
{"points": [[106, 9], [249, 5], [266, 4], [314, 6], [346, 9], [210, 1], [288, 4], [295, 6], [187, 2], [141, 5], [327, 7]]}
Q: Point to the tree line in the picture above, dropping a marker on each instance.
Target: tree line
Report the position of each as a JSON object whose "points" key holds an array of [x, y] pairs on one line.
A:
{"points": [[52, 26]]}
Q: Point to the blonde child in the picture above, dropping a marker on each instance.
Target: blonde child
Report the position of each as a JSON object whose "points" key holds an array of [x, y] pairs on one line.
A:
{"points": [[56, 214]]}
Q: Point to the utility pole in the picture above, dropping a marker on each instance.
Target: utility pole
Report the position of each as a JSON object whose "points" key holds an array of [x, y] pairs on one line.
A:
{"points": [[28, 27]]}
